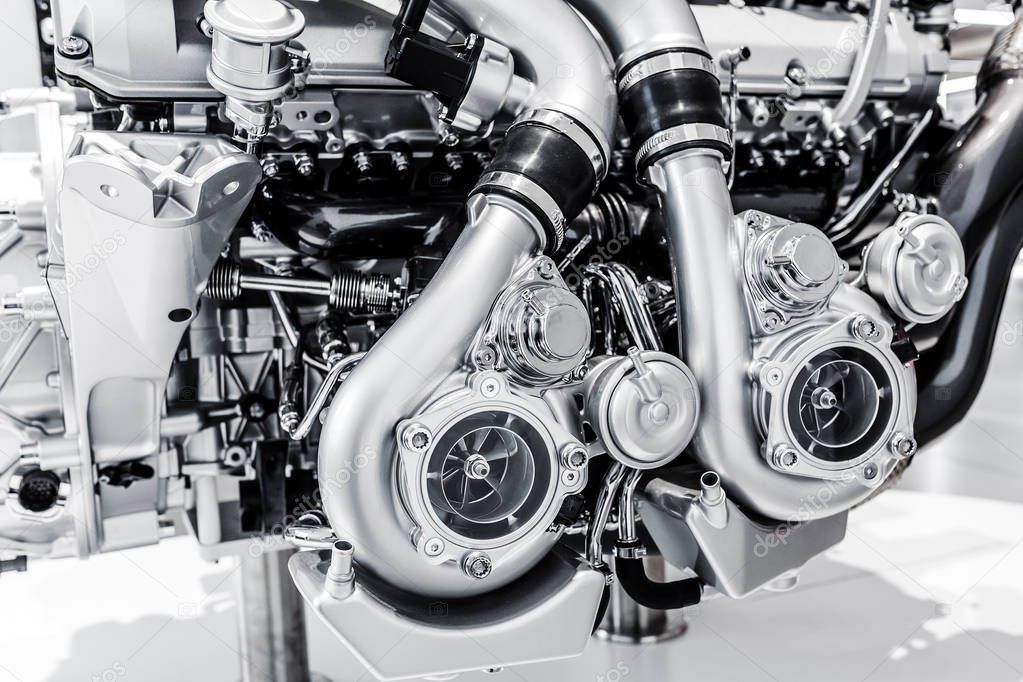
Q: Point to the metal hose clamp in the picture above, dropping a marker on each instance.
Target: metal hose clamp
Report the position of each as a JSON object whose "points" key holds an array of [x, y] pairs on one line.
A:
{"points": [[660, 63]]}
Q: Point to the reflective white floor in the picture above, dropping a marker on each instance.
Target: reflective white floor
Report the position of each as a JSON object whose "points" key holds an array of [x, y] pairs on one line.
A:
{"points": [[926, 586]]}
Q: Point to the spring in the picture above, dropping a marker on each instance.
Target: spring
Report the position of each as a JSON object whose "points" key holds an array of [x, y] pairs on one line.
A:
{"points": [[362, 291], [225, 281]]}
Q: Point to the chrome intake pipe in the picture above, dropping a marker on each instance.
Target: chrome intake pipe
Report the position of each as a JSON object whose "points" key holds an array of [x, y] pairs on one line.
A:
{"points": [[670, 99], [516, 210]]}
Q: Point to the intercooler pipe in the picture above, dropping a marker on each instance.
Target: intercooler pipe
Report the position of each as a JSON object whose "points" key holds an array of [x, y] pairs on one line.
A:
{"points": [[509, 221], [671, 103], [976, 180]]}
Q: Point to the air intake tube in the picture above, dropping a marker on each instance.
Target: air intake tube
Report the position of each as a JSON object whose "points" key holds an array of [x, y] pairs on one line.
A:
{"points": [[563, 134], [976, 180]]}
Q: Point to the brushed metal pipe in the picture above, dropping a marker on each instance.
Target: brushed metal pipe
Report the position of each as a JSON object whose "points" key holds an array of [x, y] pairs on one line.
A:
{"points": [[635, 28], [425, 345], [429, 341]]}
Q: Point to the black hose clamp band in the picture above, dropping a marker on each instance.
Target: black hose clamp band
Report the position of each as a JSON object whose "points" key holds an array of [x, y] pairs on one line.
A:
{"points": [[535, 197], [662, 62], [682, 137], [569, 127]]}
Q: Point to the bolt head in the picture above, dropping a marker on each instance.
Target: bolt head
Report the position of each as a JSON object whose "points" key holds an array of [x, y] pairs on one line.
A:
{"points": [[903, 445], [576, 457], [546, 268], [570, 477], [486, 357], [416, 437], [477, 565], [490, 387], [74, 46], [785, 457], [270, 166], [433, 547], [774, 376], [867, 329]]}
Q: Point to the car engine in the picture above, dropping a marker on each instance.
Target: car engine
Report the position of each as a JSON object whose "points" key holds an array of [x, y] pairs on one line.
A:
{"points": [[492, 305]]}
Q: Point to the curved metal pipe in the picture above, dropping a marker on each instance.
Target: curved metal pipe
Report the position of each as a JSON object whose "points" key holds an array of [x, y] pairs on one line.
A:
{"points": [[545, 38], [425, 345], [855, 96], [635, 28], [428, 343], [706, 247], [978, 184]]}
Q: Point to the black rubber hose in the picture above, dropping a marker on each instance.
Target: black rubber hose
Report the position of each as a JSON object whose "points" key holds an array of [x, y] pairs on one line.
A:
{"points": [[653, 595]]}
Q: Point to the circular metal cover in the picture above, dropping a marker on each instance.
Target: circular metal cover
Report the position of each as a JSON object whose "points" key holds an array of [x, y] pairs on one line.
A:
{"points": [[546, 333], [641, 432], [254, 21], [804, 266], [918, 267]]}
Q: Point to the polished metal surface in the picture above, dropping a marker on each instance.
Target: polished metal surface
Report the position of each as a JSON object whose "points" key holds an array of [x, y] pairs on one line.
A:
{"points": [[645, 408], [918, 267], [418, 396]]}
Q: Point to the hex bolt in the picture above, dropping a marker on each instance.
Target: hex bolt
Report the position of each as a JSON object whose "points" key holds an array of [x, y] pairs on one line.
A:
{"points": [[363, 163], [866, 329], [575, 457], [546, 268], [416, 437], [400, 162], [74, 46], [903, 445], [304, 164], [570, 477], [785, 457], [870, 472], [477, 565], [433, 547], [270, 166], [797, 74]]}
